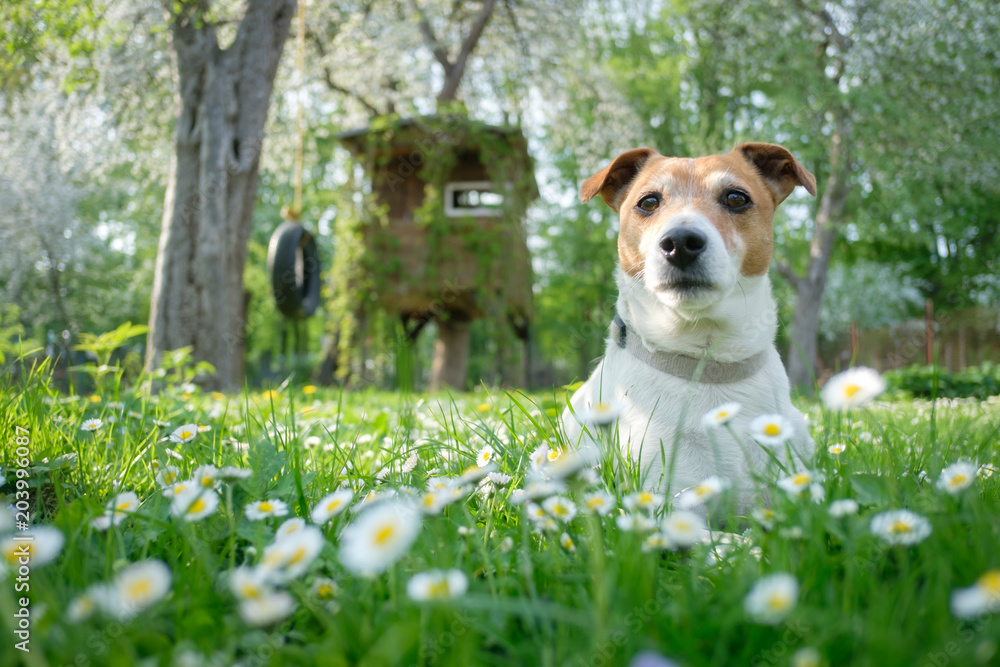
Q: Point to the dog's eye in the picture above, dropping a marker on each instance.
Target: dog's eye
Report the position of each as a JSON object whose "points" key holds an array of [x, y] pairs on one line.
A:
{"points": [[736, 201], [649, 203]]}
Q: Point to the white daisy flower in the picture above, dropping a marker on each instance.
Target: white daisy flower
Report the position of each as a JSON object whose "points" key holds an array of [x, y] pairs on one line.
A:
{"points": [[547, 525], [683, 528], [206, 476], [566, 542], [837, 448], [986, 470], [900, 527], [86, 603], [291, 555], [600, 414], [249, 583], [43, 547], [271, 608], [843, 507], [540, 456], [233, 473], [435, 484], [656, 542], [379, 537], [499, 479], [293, 525], [435, 501], [204, 428], [983, 597], [437, 585], [770, 430], [263, 509], [637, 523], [560, 507], [121, 507], [708, 488], [331, 505], [185, 433], [161, 424], [91, 424], [168, 476], [138, 587], [410, 463], [178, 488], [599, 502], [807, 656], [553, 454], [764, 516], [772, 598], [797, 483], [485, 456], [720, 416], [325, 589], [643, 500], [475, 473], [852, 388], [194, 504], [957, 477]]}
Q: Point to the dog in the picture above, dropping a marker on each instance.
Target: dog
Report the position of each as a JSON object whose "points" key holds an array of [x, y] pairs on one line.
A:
{"points": [[696, 320]]}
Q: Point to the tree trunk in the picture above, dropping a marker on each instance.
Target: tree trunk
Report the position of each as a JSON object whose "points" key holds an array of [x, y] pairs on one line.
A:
{"points": [[810, 287], [451, 355], [222, 102]]}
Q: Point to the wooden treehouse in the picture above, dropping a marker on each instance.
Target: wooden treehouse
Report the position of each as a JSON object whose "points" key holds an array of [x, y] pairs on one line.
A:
{"points": [[448, 243]]}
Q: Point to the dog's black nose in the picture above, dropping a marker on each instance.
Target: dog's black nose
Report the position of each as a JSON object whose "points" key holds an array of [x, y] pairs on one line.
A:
{"points": [[682, 245]]}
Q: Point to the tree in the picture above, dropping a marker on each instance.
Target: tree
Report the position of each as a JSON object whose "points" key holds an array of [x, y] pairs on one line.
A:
{"points": [[222, 99]]}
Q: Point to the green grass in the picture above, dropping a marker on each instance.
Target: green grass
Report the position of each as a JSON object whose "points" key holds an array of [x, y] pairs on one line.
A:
{"points": [[529, 601]]}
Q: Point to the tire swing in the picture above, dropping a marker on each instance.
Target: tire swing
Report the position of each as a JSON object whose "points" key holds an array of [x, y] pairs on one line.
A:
{"points": [[293, 264]]}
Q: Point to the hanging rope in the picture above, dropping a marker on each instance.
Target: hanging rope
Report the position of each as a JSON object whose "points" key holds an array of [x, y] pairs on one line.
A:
{"points": [[294, 213]]}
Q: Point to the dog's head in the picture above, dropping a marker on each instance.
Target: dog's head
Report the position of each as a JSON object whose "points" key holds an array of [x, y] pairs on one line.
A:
{"points": [[692, 227]]}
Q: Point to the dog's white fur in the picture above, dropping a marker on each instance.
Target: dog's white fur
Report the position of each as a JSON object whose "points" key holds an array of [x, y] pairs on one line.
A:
{"points": [[660, 412]]}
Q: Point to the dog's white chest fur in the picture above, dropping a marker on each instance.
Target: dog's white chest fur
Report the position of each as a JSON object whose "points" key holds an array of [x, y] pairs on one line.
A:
{"points": [[660, 424]]}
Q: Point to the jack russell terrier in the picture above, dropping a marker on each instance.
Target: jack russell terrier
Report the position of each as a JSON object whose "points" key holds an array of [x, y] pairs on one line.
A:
{"points": [[696, 320]]}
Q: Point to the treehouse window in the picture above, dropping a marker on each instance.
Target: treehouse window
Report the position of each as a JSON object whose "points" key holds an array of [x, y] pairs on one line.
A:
{"points": [[475, 198]]}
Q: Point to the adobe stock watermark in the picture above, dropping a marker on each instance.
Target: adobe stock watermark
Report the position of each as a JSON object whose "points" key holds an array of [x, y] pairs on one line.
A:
{"points": [[22, 539]]}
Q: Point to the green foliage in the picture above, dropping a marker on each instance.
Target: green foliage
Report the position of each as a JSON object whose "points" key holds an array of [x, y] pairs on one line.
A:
{"points": [[978, 382]]}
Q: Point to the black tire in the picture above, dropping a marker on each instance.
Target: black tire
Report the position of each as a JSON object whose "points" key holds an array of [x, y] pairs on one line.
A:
{"points": [[293, 264]]}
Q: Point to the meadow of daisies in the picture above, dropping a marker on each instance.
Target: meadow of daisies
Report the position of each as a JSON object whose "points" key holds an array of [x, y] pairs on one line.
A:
{"points": [[302, 526]]}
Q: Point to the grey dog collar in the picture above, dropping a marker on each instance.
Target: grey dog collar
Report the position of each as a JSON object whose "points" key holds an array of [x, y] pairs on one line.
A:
{"points": [[685, 367]]}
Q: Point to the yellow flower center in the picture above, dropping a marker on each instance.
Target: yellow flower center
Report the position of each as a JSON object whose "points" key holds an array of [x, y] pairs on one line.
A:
{"points": [[851, 389], [324, 592], [207, 481], [169, 477], [801, 478], [645, 497], [777, 602], [772, 430], [594, 503], [554, 454], [702, 490], [682, 525], [121, 507], [959, 479], [14, 552], [428, 501], [487, 455], [384, 534], [602, 407], [722, 414], [249, 591], [990, 582], [297, 556], [559, 510], [309, 389], [899, 526], [438, 589], [185, 435], [138, 588], [265, 506], [197, 506]]}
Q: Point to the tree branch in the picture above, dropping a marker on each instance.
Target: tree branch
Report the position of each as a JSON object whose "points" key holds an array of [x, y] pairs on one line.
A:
{"points": [[452, 79], [333, 85], [786, 271], [432, 41]]}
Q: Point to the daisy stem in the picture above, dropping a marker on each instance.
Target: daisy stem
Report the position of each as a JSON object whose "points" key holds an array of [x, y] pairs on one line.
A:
{"points": [[231, 518]]}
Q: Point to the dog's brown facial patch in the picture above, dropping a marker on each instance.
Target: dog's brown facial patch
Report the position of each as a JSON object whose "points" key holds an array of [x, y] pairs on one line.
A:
{"points": [[738, 192]]}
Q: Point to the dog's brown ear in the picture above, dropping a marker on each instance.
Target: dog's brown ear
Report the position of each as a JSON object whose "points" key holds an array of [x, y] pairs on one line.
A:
{"points": [[779, 168], [612, 181]]}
